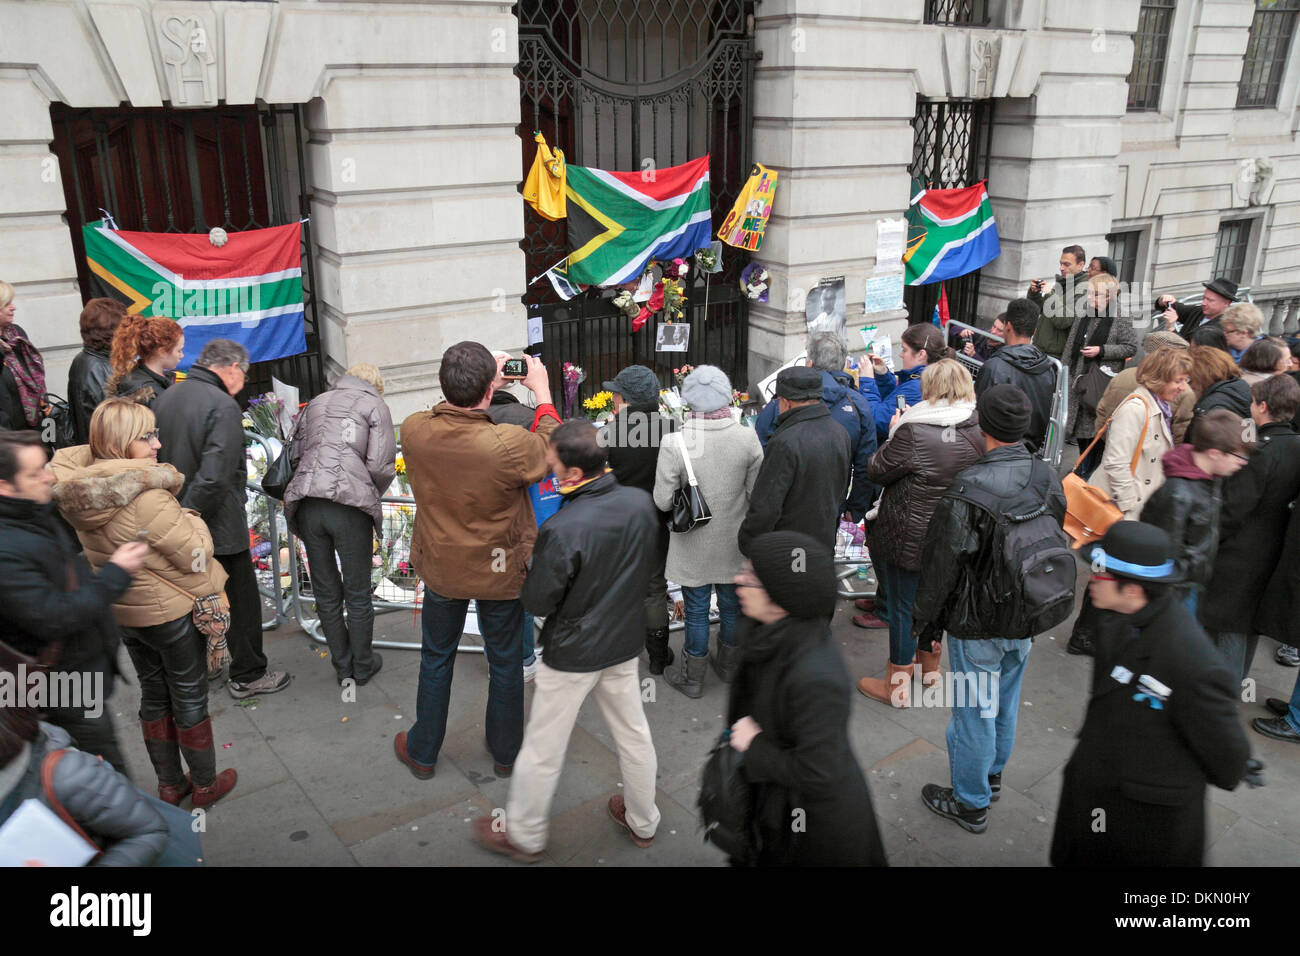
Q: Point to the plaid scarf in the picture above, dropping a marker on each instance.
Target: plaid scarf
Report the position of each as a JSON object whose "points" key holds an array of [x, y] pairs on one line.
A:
{"points": [[28, 368]]}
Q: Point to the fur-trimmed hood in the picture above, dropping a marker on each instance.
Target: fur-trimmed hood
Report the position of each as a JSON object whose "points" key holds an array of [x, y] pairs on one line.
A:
{"points": [[90, 492]]}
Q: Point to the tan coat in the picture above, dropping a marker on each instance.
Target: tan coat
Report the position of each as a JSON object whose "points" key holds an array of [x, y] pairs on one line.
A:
{"points": [[474, 524], [108, 502], [1126, 382], [1131, 490]]}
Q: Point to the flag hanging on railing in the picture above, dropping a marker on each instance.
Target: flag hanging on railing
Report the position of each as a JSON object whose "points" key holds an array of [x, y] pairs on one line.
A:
{"points": [[248, 290], [951, 232], [620, 221]]}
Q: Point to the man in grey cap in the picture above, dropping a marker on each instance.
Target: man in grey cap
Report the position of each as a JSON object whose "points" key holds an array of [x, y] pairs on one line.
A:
{"points": [[805, 473], [632, 442]]}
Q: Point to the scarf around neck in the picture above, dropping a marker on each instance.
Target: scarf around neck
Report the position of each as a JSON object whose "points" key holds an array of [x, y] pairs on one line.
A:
{"points": [[28, 368]]}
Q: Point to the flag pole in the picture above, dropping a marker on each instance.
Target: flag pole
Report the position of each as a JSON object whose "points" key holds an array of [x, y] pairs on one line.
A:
{"points": [[545, 271]]}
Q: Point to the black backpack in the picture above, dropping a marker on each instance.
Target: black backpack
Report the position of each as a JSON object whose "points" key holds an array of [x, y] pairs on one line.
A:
{"points": [[726, 803], [1027, 570]]}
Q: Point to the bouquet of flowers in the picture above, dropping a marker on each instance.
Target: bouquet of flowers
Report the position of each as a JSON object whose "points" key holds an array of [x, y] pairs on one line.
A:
{"points": [[674, 294], [573, 377], [680, 374], [626, 304], [600, 404], [679, 268], [753, 281], [264, 415], [402, 482], [706, 258]]}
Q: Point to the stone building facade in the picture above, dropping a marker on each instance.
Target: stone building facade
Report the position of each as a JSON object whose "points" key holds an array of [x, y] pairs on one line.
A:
{"points": [[413, 154]]}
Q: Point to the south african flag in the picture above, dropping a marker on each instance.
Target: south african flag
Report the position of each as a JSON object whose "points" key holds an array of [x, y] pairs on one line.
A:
{"points": [[620, 221], [249, 290], [951, 232]]}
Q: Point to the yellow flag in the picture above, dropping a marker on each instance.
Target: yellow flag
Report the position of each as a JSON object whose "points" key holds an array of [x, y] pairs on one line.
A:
{"points": [[544, 187], [747, 222]]}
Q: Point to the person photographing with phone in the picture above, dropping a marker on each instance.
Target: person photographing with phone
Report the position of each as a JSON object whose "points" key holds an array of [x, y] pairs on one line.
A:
{"points": [[921, 345]]}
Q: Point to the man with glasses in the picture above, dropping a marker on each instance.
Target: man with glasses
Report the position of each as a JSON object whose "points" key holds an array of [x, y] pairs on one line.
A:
{"points": [[1162, 721], [199, 425]]}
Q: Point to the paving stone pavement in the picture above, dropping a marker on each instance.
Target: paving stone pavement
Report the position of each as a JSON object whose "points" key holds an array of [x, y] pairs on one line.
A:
{"points": [[319, 785]]}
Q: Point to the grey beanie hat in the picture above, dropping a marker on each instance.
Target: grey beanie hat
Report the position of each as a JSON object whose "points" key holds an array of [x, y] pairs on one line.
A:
{"points": [[707, 389]]}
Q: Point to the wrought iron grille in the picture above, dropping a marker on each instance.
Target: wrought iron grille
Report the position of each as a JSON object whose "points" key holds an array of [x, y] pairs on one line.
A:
{"points": [[174, 170], [1266, 53], [1230, 249], [950, 149], [1150, 50], [630, 86], [953, 13], [1124, 250]]}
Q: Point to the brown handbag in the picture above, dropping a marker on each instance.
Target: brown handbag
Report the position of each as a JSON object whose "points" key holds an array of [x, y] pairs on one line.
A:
{"points": [[1089, 511]]}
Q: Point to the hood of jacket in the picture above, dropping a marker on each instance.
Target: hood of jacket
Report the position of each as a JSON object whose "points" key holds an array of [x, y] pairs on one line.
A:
{"points": [[942, 414], [1231, 392], [90, 492], [1178, 463], [1028, 358], [835, 385], [801, 414]]}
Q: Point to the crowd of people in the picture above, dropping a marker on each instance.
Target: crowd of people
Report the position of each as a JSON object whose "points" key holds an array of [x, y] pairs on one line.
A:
{"points": [[137, 533]]}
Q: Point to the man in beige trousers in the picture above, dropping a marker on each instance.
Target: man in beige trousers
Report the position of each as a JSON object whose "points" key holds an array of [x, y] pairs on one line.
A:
{"points": [[590, 570]]}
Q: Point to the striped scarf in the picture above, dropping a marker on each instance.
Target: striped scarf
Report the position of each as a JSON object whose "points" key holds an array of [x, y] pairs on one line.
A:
{"points": [[28, 368]]}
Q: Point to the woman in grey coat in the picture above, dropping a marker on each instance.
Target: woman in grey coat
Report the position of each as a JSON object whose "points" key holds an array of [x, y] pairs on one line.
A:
{"points": [[726, 457], [346, 455], [1100, 336]]}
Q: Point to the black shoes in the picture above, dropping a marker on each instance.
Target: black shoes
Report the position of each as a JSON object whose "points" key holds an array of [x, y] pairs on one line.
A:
{"points": [[1278, 706], [660, 654], [1279, 728], [941, 801], [995, 784], [1081, 643], [374, 669]]}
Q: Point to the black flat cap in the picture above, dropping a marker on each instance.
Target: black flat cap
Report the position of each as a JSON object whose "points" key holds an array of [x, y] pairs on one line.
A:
{"points": [[799, 383]]}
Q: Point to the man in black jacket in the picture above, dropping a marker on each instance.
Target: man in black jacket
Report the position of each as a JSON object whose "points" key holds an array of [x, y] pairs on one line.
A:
{"points": [[55, 608], [587, 579], [91, 369], [199, 427], [805, 473], [1024, 365], [1161, 723], [953, 596], [1220, 293], [632, 441], [1252, 524]]}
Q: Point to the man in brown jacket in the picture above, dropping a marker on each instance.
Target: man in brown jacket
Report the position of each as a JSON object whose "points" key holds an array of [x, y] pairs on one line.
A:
{"points": [[474, 534], [1125, 384]]}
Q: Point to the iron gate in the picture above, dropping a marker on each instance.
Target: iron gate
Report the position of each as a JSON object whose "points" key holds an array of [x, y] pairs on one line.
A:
{"points": [[950, 149], [174, 170], [619, 84]]}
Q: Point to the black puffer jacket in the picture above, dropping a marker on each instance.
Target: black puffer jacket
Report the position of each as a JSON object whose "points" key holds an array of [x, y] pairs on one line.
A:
{"points": [[51, 595], [590, 570], [202, 438], [1187, 507], [951, 594], [1279, 611], [1030, 370], [143, 385], [632, 438], [793, 684], [1252, 526], [86, 379], [1232, 394], [916, 466], [113, 812], [804, 478]]}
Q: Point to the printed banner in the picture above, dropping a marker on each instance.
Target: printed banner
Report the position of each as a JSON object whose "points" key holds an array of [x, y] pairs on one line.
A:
{"points": [[746, 224]]}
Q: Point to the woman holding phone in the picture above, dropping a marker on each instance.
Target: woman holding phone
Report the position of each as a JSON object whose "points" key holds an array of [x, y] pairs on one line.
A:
{"points": [[888, 393]]}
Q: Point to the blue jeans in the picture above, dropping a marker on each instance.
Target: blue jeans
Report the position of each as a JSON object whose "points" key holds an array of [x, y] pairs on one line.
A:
{"points": [[501, 624], [901, 585], [986, 679], [1191, 600], [697, 616], [529, 636]]}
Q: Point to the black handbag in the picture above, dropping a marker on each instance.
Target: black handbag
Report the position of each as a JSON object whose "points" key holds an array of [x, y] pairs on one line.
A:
{"points": [[280, 472], [60, 416], [689, 507], [1091, 386], [726, 803]]}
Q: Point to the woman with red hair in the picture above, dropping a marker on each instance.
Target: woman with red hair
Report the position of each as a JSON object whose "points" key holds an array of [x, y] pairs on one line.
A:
{"points": [[146, 350]]}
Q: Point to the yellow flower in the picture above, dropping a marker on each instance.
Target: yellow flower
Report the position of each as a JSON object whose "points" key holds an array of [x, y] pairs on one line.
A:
{"points": [[598, 401], [400, 464]]}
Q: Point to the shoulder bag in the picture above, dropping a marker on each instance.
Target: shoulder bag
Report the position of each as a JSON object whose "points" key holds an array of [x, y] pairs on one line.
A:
{"points": [[1089, 512], [726, 803], [689, 507], [280, 472], [211, 616]]}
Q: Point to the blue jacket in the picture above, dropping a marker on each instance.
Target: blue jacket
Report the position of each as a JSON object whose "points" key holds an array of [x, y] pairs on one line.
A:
{"points": [[853, 412], [881, 394]]}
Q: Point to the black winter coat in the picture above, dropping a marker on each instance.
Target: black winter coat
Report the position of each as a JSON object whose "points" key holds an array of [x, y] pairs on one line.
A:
{"points": [[1029, 369], [143, 385], [589, 574], [950, 595], [1232, 394], [202, 437], [632, 439], [803, 480], [86, 379], [112, 810], [508, 410], [11, 403], [1279, 611], [1188, 509], [792, 682], [1145, 762], [1252, 526], [52, 597]]}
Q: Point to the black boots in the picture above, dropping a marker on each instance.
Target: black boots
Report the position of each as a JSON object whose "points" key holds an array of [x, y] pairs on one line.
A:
{"points": [[1081, 642], [656, 645], [726, 661]]}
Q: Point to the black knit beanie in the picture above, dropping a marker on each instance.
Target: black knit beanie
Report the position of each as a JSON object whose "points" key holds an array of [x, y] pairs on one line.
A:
{"points": [[797, 571]]}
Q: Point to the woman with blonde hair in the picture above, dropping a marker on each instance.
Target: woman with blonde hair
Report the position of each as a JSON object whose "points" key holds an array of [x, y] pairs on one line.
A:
{"points": [[928, 444], [113, 491], [146, 351], [22, 371], [346, 455], [1099, 342]]}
